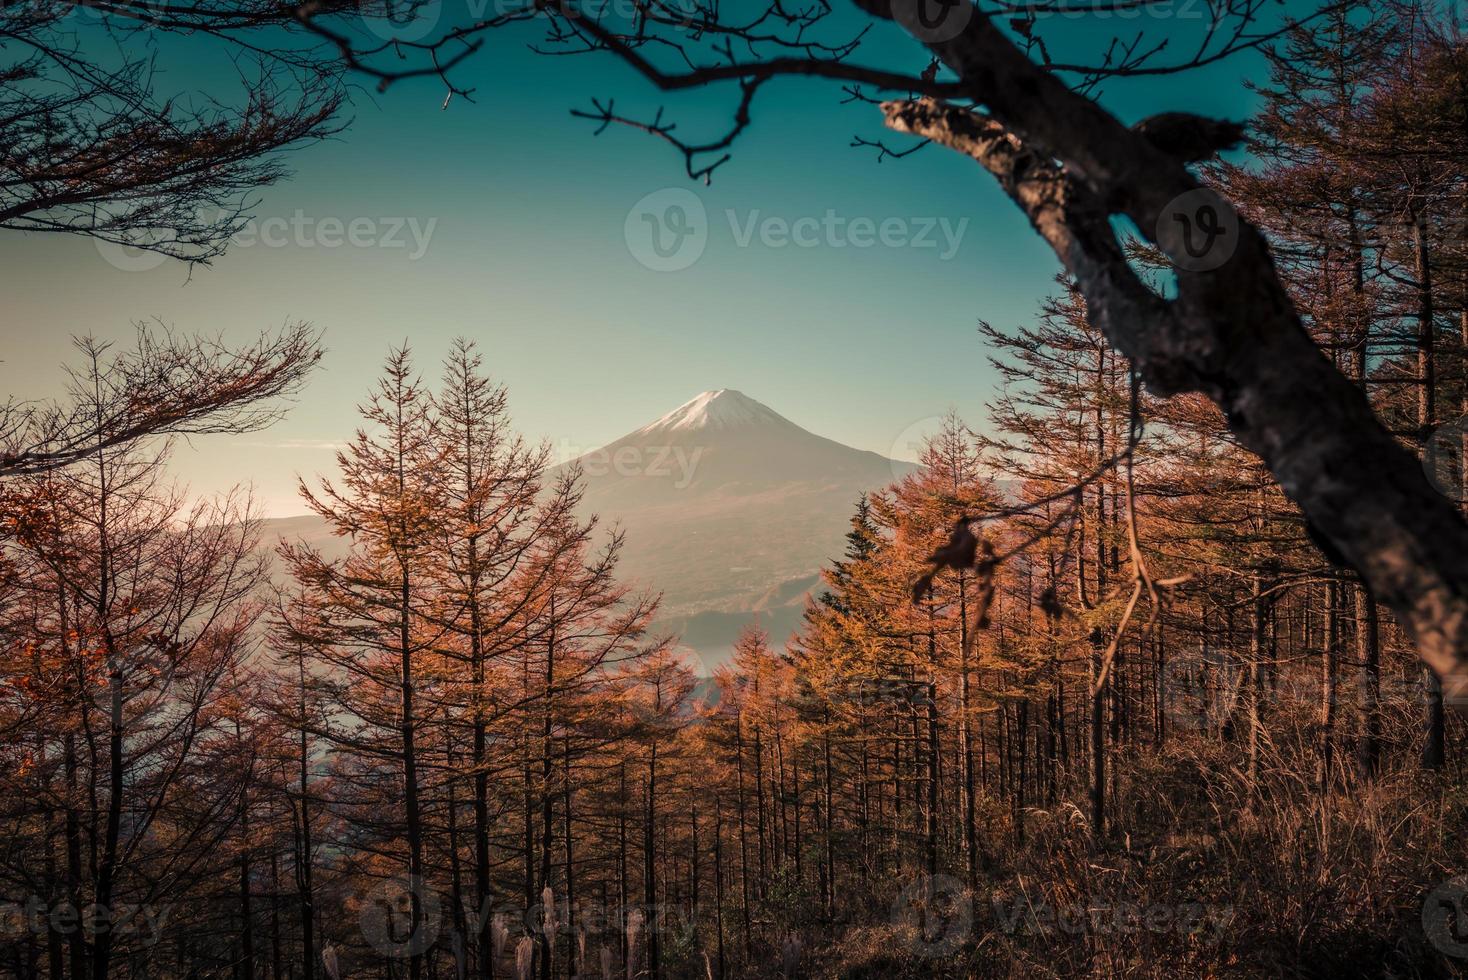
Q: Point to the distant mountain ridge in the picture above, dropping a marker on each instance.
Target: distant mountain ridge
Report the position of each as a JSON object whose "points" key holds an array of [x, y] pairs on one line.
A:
{"points": [[730, 511]]}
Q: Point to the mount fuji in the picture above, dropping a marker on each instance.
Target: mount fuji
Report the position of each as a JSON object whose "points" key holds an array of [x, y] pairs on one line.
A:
{"points": [[730, 510]]}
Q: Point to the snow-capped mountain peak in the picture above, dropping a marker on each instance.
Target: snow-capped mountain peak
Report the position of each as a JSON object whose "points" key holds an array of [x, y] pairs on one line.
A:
{"points": [[721, 409]]}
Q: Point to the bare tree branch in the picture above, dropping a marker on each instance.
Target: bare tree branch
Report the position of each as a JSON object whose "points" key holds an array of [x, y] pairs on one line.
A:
{"points": [[166, 385]]}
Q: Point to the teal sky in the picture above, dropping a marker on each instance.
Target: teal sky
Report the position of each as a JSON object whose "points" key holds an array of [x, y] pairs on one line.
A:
{"points": [[527, 255]]}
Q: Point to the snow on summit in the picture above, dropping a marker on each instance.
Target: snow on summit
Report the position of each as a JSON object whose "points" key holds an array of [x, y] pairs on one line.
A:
{"points": [[721, 409]]}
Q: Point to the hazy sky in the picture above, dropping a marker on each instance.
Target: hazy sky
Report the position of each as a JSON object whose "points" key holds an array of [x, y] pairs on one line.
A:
{"points": [[522, 243]]}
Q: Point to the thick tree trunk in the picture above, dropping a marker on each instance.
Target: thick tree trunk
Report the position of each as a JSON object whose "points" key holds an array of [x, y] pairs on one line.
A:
{"points": [[1254, 678], [55, 953], [649, 867], [247, 924], [75, 942], [828, 862], [1231, 332], [719, 880], [573, 962], [411, 809], [1434, 748], [1328, 660], [1368, 648], [693, 895], [277, 971], [966, 738], [1099, 685], [304, 857], [1022, 727], [1098, 740], [547, 811], [484, 933], [457, 914], [743, 836], [116, 779], [623, 886], [759, 808], [934, 753]]}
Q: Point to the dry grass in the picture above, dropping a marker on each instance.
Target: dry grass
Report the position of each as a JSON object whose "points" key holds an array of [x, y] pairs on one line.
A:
{"points": [[1202, 876]]}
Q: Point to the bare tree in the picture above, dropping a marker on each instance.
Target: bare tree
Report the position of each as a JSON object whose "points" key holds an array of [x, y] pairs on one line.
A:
{"points": [[165, 385], [88, 146], [143, 605]]}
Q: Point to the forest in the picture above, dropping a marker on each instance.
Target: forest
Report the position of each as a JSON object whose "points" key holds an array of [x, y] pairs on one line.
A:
{"points": [[1101, 688]]}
